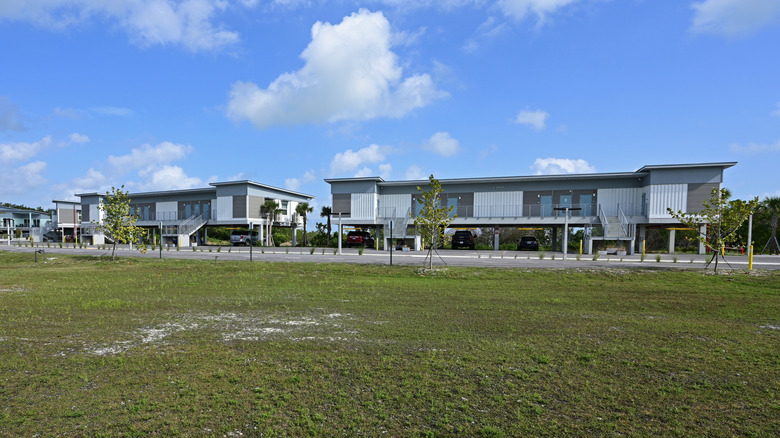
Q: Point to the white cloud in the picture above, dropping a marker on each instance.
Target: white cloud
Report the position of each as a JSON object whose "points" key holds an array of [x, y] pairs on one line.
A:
{"points": [[10, 120], [350, 73], [15, 152], [93, 181], [113, 111], [442, 144], [776, 112], [186, 23], [555, 166], [535, 119], [166, 177], [520, 9], [148, 155], [23, 178], [366, 171], [414, 172], [755, 148], [296, 183], [385, 170], [733, 18], [78, 138], [350, 160]]}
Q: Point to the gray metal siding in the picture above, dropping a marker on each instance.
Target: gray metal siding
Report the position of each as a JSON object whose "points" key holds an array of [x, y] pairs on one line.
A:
{"points": [[363, 206], [255, 202], [239, 206], [342, 203], [663, 196], [697, 194]]}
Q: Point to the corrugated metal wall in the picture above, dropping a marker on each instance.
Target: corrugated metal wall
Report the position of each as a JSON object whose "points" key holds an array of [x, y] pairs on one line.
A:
{"points": [[363, 206], [697, 194], [663, 196], [630, 200], [498, 204], [394, 205], [224, 208]]}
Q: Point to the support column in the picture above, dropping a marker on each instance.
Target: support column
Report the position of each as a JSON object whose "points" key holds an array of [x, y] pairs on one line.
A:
{"points": [[702, 232], [496, 242], [671, 241], [642, 236], [554, 238]]}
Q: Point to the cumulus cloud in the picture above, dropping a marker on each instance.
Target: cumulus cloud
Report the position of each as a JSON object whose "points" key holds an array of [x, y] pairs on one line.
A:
{"points": [[14, 152], [414, 172], [148, 155], [385, 170], [186, 23], [755, 148], [10, 120], [556, 166], [166, 177], [349, 160], [296, 183], [734, 18], [535, 119], [22, 179], [350, 73], [542, 9], [776, 112], [442, 144], [78, 138]]}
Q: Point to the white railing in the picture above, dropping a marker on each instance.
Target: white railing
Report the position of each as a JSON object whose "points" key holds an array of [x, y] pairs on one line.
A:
{"points": [[624, 225]]}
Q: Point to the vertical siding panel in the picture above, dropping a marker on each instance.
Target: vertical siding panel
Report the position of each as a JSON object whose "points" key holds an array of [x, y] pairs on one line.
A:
{"points": [[363, 206], [630, 200], [663, 196], [395, 205], [498, 204]]}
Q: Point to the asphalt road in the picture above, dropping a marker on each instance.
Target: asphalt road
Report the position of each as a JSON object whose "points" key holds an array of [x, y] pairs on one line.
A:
{"points": [[448, 257]]}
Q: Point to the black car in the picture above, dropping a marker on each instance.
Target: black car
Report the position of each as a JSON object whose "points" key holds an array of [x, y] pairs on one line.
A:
{"points": [[462, 238], [359, 238], [529, 243]]}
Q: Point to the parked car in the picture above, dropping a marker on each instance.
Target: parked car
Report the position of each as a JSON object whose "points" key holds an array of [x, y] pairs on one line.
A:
{"points": [[244, 237], [359, 238], [528, 242], [462, 238]]}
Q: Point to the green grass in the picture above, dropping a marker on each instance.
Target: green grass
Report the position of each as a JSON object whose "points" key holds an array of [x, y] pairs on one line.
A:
{"points": [[144, 347]]}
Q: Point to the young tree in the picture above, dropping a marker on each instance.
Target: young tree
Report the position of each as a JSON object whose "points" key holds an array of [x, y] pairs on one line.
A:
{"points": [[303, 209], [326, 212], [117, 221], [432, 219], [723, 216], [771, 206], [269, 209]]}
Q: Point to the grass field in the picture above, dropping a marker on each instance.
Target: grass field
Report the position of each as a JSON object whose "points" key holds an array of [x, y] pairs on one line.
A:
{"points": [[143, 347]]}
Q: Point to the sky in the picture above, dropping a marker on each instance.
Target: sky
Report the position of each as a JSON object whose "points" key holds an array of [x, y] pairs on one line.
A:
{"points": [[174, 94]]}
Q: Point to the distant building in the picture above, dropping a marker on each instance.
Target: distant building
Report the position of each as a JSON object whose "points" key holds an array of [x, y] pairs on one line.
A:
{"points": [[609, 206], [21, 222], [185, 215]]}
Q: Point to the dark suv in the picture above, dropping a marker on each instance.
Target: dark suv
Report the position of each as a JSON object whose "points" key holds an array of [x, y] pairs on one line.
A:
{"points": [[528, 242], [359, 238], [462, 238]]}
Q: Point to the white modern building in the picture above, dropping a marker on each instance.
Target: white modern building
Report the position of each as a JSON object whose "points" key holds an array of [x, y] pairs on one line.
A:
{"points": [[185, 215], [609, 206]]}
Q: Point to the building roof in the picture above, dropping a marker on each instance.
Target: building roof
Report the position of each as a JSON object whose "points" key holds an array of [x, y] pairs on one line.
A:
{"points": [[723, 165], [644, 171], [204, 190]]}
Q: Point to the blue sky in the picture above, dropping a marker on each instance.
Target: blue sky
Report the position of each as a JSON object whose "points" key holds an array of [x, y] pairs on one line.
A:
{"points": [[168, 94]]}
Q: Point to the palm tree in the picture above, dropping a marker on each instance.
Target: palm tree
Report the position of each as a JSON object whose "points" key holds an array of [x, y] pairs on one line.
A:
{"points": [[303, 209], [326, 212], [772, 207], [269, 209]]}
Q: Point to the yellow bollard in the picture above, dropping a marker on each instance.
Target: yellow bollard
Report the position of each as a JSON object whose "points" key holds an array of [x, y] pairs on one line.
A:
{"points": [[643, 246], [580, 247], [750, 259]]}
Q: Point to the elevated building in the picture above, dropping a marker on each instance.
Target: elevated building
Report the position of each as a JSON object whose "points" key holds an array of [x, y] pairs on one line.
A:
{"points": [[609, 206]]}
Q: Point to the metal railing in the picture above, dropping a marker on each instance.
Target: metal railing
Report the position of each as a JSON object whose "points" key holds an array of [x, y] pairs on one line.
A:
{"points": [[543, 211]]}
